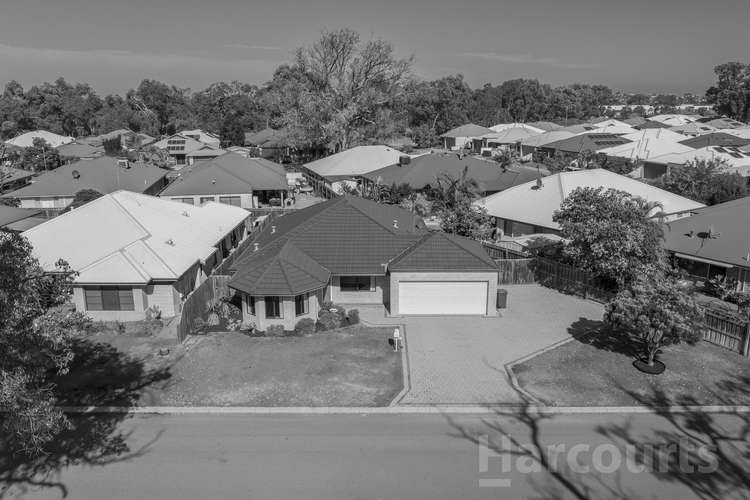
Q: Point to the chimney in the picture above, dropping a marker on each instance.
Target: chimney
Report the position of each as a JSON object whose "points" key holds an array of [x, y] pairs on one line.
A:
{"points": [[273, 229], [395, 223], [255, 247], [404, 160]]}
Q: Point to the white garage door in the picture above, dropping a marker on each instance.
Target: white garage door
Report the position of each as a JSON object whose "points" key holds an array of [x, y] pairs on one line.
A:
{"points": [[442, 297]]}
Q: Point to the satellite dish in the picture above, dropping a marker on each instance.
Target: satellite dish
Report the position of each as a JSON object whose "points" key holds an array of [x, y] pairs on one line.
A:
{"points": [[76, 174]]}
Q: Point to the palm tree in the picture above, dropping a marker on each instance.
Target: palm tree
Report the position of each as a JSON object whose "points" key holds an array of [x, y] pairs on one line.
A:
{"points": [[451, 191]]}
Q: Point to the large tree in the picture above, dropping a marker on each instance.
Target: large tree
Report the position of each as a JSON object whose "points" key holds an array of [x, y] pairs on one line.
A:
{"points": [[35, 345], [705, 181], [731, 93], [40, 156], [611, 234]]}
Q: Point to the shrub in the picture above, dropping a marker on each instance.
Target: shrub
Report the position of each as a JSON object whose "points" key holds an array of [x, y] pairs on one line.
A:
{"points": [[275, 331], [305, 326], [153, 313], [328, 320], [353, 316]]}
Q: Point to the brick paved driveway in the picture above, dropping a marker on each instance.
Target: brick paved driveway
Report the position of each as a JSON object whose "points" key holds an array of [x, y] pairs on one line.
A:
{"points": [[461, 360]]}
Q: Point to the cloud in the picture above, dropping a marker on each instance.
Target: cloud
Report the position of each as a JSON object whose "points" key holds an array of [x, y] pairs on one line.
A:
{"points": [[526, 59]]}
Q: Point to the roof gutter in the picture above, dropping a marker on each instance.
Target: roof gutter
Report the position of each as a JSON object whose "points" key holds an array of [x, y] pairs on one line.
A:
{"points": [[705, 261]]}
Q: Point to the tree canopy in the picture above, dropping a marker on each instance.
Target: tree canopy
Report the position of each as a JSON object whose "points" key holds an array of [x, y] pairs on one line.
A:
{"points": [[705, 181]]}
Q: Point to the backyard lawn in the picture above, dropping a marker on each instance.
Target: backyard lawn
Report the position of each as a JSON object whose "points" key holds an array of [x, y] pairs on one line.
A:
{"points": [[597, 370], [353, 366]]}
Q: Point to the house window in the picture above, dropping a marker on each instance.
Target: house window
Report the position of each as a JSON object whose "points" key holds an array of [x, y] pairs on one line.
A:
{"points": [[250, 305], [188, 201], [230, 200], [206, 199], [301, 304], [273, 307], [109, 298], [357, 284]]}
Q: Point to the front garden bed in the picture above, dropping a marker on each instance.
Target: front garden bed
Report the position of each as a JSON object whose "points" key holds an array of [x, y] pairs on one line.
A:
{"points": [[597, 370]]}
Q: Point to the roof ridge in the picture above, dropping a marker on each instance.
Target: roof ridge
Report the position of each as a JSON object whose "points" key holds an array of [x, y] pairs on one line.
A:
{"points": [[453, 239], [384, 226]]}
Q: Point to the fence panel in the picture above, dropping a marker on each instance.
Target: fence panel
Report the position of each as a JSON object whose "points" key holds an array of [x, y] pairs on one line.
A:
{"points": [[726, 331], [569, 279], [515, 271], [198, 301]]}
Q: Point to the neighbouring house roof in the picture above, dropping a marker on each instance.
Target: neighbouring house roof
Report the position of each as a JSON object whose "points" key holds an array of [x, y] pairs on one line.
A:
{"points": [[348, 236], [586, 142], [229, 173], [545, 126], [609, 123], [634, 121], [672, 119], [9, 175], [144, 139], [648, 124], [202, 136], [103, 174], [355, 161], [725, 123], [436, 252], [580, 128], [715, 139], [206, 151], [647, 144], [739, 132], [693, 129], [79, 150], [510, 135], [730, 241], [468, 130], [280, 269], [424, 171], [531, 204], [9, 215], [613, 129], [545, 138], [26, 140], [266, 138], [132, 238], [501, 127], [178, 144], [736, 159]]}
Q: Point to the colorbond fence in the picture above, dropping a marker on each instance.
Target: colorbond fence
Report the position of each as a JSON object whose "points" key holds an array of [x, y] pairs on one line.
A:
{"points": [[197, 303]]}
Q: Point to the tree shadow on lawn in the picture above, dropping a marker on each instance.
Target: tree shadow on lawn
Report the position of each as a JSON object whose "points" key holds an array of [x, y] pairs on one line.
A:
{"points": [[99, 375], [597, 334]]}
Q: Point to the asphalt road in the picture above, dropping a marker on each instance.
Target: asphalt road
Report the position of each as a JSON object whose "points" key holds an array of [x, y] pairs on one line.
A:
{"points": [[347, 457]]}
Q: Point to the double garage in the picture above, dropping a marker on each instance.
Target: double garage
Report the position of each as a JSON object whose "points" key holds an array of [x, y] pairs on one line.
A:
{"points": [[443, 294]]}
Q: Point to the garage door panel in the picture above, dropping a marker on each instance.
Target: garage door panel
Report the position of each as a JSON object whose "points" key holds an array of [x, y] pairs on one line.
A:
{"points": [[442, 297]]}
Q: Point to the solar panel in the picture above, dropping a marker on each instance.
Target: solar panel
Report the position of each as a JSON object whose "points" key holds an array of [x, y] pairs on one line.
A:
{"points": [[735, 155]]}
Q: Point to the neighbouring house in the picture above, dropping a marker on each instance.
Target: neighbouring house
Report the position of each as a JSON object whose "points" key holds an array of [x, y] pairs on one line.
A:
{"points": [[268, 143], [739, 132], [202, 136], [353, 251], [178, 146], [528, 208], [577, 144], [27, 139], [532, 143], [508, 138], [723, 123], [128, 138], [421, 173], [19, 219], [736, 160], [79, 150], [332, 173], [714, 241], [647, 144], [461, 137], [544, 126], [14, 178], [230, 179], [673, 120], [133, 251], [648, 124], [500, 127], [693, 129], [56, 189], [715, 139], [203, 153]]}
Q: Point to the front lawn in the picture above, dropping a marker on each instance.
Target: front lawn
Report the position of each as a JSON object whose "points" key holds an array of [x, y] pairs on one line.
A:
{"points": [[348, 367], [597, 370]]}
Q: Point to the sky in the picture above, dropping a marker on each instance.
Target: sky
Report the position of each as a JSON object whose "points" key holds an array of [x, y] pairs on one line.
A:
{"points": [[631, 45]]}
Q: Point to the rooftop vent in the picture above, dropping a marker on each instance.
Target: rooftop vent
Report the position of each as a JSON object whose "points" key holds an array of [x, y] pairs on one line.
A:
{"points": [[255, 247], [185, 214], [170, 242], [395, 223], [273, 229], [76, 174], [123, 163], [404, 160]]}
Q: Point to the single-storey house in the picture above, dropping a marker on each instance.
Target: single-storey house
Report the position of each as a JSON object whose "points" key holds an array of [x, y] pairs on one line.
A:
{"points": [[353, 251], [27, 139], [230, 179], [56, 189], [461, 137], [14, 178], [714, 241], [133, 251], [509, 138], [736, 160], [79, 150], [500, 127], [647, 144], [422, 172], [528, 208], [692, 129], [128, 138], [19, 219], [577, 144], [532, 143], [204, 153], [202, 136], [344, 168], [268, 143], [178, 146], [715, 139]]}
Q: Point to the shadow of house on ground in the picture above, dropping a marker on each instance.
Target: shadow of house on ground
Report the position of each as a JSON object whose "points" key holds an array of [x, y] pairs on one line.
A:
{"points": [[99, 375]]}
